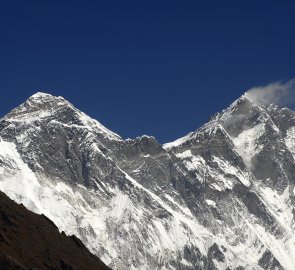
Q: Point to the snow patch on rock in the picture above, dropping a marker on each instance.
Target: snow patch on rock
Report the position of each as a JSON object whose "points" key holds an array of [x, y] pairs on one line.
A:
{"points": [[246, 143]]}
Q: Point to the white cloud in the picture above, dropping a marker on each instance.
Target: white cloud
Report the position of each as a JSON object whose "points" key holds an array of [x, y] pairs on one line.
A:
{"points": [[279, 93]]}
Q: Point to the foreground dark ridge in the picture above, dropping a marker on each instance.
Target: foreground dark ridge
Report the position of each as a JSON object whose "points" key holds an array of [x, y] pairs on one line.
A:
{"points": [[31, 241]]}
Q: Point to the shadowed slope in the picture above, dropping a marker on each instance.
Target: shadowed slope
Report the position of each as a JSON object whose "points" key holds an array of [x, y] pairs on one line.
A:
{"points": [[31, 241]]}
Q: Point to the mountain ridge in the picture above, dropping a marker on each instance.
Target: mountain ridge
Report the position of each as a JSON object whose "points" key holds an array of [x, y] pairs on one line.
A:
{"points": [[220, 199]]}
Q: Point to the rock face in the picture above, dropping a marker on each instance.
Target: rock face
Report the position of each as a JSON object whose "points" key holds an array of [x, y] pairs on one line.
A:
{"points": [[221, 197], [31, 241]]}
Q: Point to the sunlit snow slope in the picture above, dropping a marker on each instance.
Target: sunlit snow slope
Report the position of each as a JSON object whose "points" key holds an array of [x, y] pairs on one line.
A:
{"points": [[221, 197]]}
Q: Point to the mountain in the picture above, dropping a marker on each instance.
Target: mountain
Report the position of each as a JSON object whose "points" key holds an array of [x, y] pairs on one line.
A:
{"points": [[31, 241], [221, 197]]}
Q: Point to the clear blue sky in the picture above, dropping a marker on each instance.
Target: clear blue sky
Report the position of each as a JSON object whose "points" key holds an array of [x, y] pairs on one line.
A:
{"points": [[144, 67]]}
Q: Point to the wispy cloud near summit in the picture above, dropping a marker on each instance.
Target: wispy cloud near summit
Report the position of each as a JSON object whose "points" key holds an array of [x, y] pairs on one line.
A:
{"points": [[279, 93]]}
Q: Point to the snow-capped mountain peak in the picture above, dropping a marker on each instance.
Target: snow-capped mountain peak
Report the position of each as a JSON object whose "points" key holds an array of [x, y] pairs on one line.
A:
{"points": [[38, 103], [43, 97], [52, 110]]}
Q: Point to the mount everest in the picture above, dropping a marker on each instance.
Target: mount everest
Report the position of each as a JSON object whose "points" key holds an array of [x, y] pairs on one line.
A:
{"points": [[221, 197]]}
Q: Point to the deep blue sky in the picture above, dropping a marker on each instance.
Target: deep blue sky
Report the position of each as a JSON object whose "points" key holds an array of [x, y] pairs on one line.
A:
{"points": [[144, 67]]}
